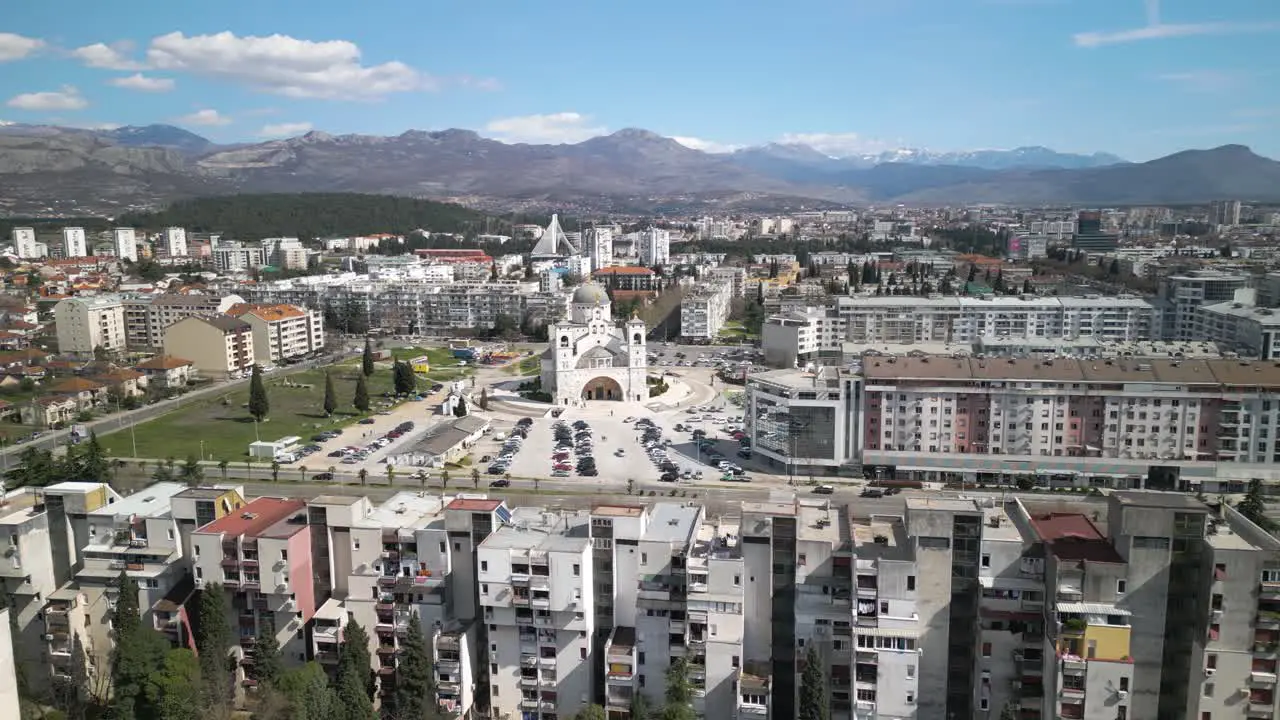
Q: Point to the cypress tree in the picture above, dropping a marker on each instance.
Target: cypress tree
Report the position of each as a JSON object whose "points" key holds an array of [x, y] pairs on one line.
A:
{"points": [[268, 667], [330, 397], [813, 689], [354, 683], [361, 401], [366, 360], [415, 695], [93, 465], [214, 642], [259, 405]]}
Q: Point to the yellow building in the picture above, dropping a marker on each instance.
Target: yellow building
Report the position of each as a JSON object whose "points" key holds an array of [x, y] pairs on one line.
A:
{"points": [[421, 364]]}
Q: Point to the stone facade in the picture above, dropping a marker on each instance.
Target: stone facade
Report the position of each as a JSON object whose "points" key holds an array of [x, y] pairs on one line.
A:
{"points": [[591, 358]]}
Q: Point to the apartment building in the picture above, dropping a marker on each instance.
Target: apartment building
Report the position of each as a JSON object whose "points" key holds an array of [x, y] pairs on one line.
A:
{"points": [[147, 316], [1244, 328], [599, 241], [237, 257], [260, 555], [803, 421], [25, 243], [801, 337], [125, 242], [1183, 294], [281, 332], [653, 247], [284, 253], [537, 590], [969, 319], [86, 323], [219, 346], [74, 243], [174, 242], [704, 310]]}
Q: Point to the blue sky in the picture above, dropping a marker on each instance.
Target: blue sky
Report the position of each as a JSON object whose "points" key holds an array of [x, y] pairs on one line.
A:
{"points": [[1137, 78]]}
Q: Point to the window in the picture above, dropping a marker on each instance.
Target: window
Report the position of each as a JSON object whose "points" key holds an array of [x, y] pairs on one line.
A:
{"points": [[986, 561], [582, 653], [983, 704], [1124, 684], [884, 608], [284, 554], [644, 558], [1121, 586], [640, 657], [986, 649], [493, 668], [484, 566], [484, 588], [911, 583], [577, 570], [736, 661], [443, 548], [1211, 661], [911, 698], [495, 691], [911, 671], [737, 580]]}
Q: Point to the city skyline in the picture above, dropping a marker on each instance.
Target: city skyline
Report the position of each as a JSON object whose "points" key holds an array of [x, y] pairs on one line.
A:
{"points": [[1136, 79]]}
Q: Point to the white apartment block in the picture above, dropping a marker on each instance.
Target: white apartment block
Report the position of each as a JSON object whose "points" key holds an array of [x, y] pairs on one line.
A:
{"points": [[1243, 328], [24, 242], [735, 277], [90, 322], [1183, 294], [285, 253], [801, 337], [282, 332], [147, 316], [74, 243], [894, 320], [236, 257], [654, 247], [704, 310], [126, 243], [536, 590], [175, 242], [600, 246]]}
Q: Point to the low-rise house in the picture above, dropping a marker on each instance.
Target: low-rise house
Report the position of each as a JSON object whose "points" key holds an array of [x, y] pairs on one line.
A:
{"points": [[444, 443], [88, 394], [166, 371], [49, 411], [122, 382]]}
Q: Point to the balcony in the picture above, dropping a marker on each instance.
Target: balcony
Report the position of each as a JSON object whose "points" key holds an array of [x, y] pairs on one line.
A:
{"points": [[528, 682], [1260, 708], [546, 662], [529, 704], [1269, 590], [327, 658], [1269, 619], [620, 673], [752, 710], [529, 660], [1264, 648], [1265, 679]]}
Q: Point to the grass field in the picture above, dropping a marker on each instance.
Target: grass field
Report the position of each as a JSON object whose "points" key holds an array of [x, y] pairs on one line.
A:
{"points": [[444, 366], [526, 366], [224, 425], [733, 330]]}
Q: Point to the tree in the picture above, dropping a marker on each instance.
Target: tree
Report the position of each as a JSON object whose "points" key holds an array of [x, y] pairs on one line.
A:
{"points": [[93, 465], [415, 693], [1009, 712], [308, 694], [444, 479], [1253, 508], [484, 399], [268, 667], [222, 468], [679, 693], [330, 396], [591, 712], [813, 689], [460, 409], [475, 478], [639, 707], [404, 379], [361, 400], [354, 682], [275, 471], [137, 653], [366, 359], [192, 473], [259, 405], [213, 640], [364, 476], [173, 690], [391, 475]]}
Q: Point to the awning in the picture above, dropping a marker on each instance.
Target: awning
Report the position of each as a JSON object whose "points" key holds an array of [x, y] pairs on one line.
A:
{"points": [[1084, 608]]}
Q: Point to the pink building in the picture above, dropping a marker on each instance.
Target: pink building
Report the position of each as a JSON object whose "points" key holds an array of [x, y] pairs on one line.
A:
{"points": [[261, 556]]}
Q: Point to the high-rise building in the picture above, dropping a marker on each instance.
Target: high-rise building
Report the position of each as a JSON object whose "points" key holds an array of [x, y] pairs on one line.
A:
{"points": [[175, 242], [24, 242], [1225, 212], [654, 247], [85, 324], [600, 246], [73, 242], [126, 244]]}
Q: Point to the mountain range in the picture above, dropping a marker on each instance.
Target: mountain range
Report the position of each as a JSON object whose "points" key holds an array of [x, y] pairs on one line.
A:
{"points": [[53, 169]]}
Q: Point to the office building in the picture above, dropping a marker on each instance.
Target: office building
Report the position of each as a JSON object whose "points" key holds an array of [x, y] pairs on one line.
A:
{"points": [[1225, 212], [86, 323], [175, 242], [704, 310], [24, 243], [1089, 236], [74, 243], [281, 332], [654, 247], [235, 257], [805, 422], [126, 243], [218, 346]]}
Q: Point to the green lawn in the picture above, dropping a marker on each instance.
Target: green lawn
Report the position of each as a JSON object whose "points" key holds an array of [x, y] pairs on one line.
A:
{"points": [[734, 330], [226, 429], [525, 366]]}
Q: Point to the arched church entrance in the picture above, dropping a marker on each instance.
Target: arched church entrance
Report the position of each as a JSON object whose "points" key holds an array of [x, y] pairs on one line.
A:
{"points": [[602, 388]]}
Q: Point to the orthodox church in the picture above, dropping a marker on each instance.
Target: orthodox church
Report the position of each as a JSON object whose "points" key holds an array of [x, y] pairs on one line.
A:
{"points": [[591, 358]]}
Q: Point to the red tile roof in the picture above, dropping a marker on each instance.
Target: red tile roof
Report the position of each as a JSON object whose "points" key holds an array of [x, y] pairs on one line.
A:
{"points": [[1072, 536], [163, 362], [474, 504], [75, 385], [623, 270], [255, 518]]}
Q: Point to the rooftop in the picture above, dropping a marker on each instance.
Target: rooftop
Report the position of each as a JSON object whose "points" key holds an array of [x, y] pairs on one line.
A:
{"points": [[270, 313], [821, 522], [533, 528], [1216, 372], [1159, 499], [879, 536], [673, 523], [1072, 536], [151, 501], [618, 510], [255, 518], [406, 509], [717, 540], [474, 505], [949, 504], [163, 362]]}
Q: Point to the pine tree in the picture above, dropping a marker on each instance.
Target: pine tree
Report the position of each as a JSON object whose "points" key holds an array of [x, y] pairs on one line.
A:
{"points": [[173, 690], [93, 465], [813, 689], [361, 401], [484, 399], [192, 473], [415, 694], [138, 652], [268, 667], [406, 382], [460, 410], [214, 642], [259, 405], [1253, 508], [330, 396], [308, 695], [366, 360], [354, 683]]}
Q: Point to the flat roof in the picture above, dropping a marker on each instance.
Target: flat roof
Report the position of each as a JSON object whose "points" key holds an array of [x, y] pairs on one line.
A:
{"points": [[533, 528], [821, 522], [1074, 537], [151, 501], [339, 500], [618, 510], [406, 509], [1160, 499], [255, 518], [999, 526], [672, 523], [934, 502], [1216, 372], [884, 534], [474, 505], [203, 493]]}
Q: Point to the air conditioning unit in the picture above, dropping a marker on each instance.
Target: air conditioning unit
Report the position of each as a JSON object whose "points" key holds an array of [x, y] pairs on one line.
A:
{"points": [[1209, 672], [1122, 694], [199, 583], [48, 638]]}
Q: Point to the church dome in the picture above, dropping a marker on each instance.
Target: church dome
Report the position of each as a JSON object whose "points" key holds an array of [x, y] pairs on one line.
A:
{"points": [[590, 294]]}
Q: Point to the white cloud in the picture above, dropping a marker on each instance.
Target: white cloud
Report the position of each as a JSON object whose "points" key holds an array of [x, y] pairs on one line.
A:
{"points": [[285, 129], [1203, 80], [484, 84], [1162, 32], [143, 83], [67, 98], [107, 57], [285, 65], [205, 117], [708, 146], [16, 47], [556, 128], [835, 144]]}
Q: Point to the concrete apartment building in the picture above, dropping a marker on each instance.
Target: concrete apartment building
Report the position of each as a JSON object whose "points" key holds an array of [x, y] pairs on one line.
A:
{"points": [[653, 247], [25, 243], [599, 242], [536, 590], [74, 243], [1244, 328], [235, 257], [219, 346], [1183, 294], [125, 242], [281, 332], [704, 310], [174, 242], [86, 323], [260, 555], [802, 337], [147, 316]]}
